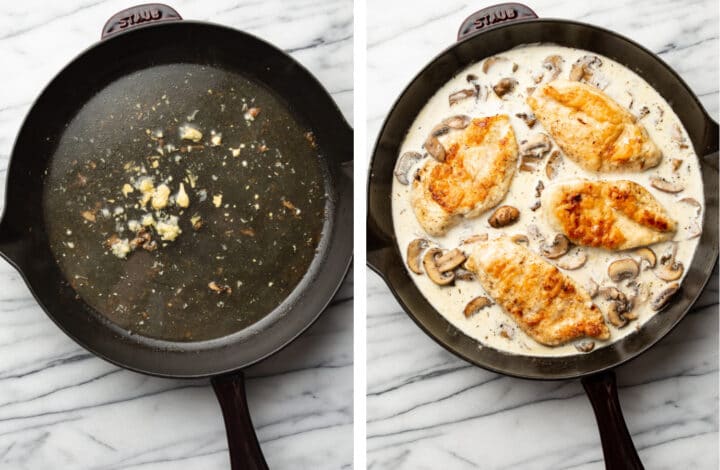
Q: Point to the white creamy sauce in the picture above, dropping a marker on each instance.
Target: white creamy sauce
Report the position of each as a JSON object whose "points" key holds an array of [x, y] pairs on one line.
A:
{"points": [[623, 86]]}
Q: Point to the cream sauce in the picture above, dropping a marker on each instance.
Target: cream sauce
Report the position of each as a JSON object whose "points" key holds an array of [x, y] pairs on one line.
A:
{"points": [[625, 87]]}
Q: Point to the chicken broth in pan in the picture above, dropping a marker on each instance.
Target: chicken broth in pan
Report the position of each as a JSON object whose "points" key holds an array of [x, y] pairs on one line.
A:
{"points": [[185, 202], [626, 284]]}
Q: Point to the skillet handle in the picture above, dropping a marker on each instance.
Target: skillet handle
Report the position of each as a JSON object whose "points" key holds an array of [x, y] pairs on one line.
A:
{"points": [[618, 447], [489, 17], [139, 15], [245, 452]]}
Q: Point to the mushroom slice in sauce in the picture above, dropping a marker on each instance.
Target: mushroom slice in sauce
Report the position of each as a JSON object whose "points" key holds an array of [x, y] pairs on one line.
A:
{"points": [[626, 268], [536, 146], [404, 164], [661, 300], [490, 61], [462, 274], [693, 202], [504, 86], [413, 254], [504, 216], [480, 237], [435, 148], [432, 270], [460, 121], [669, 269], [576, 260], [559, 246], [552, 167], [460, 95], [553, 64], [664, 185], [475, 305], [520, 239], [585, 345], [584, 69], [646, 254], [450, 260], [529, 118]]}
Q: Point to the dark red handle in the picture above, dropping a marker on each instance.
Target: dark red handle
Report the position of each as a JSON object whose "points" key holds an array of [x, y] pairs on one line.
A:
{"points": [[489, 17], [139, 15], [618, 447], [245, 452]]}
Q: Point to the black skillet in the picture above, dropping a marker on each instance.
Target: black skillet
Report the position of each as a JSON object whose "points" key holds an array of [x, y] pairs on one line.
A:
{"points": [[134, 39], [483, 34]]}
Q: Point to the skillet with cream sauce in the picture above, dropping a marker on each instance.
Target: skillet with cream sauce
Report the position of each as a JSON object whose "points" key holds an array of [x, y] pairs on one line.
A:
{"points": [[679, 165]]}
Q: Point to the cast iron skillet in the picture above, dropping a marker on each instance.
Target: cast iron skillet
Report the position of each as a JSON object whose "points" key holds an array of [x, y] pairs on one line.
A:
{"points": [[483, 34], [134, 39]]}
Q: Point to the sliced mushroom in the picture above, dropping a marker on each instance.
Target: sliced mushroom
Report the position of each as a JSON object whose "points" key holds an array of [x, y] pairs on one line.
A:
{"points": [[504, 86], [614, 315], [460, 95], [460, 121], [584, 68], [536, 146], [573, 261], [520, 239], [490, 61], [450, 260], [504, 216], [585, 345], [462, 274], [677, 137], [431, 268], [404, 164], [620, 308], [676, 163], [413, 254], [694, 230], [559, 246], [475, 305], [552, 167], [664, 185], [592, 288], [553, 64], [610, 293], [626, 268], [661, 300], [480, 237], [647, 255], [439, 130], [529, 118], [693, 202], [670, 269], [525, 167], [435, 148]]}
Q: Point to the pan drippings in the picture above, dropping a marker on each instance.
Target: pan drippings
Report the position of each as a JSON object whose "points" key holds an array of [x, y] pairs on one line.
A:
{"points": [[185, 202]]}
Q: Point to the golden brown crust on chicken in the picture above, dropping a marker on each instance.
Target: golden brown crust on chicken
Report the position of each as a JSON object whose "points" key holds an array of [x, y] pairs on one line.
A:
{"points": [[547, 305], [615, 215], [475, 176], [592, 129]]}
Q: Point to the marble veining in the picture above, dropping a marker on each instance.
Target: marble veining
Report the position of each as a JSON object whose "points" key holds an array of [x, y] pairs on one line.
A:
{"points": [[428, 409], [61, 407]]}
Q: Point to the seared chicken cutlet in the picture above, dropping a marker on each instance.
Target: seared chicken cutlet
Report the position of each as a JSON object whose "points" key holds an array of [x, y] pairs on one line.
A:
{"points": [[592, 129], [475, 176], [547, 305], [615, 215]]}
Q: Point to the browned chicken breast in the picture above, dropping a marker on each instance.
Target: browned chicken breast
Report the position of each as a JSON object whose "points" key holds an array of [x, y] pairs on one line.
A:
{"points": [[479, 165], [615, 215], [547, 305], [592, 129]]}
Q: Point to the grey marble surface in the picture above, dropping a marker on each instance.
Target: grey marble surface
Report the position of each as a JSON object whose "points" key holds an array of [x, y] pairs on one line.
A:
{"points": [[60, 407], [428, 409]]}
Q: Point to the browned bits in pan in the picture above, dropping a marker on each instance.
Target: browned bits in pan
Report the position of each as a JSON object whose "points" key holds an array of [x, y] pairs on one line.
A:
{"points": [[88, 215], [252, 113], [310, 137], [248, 231]]}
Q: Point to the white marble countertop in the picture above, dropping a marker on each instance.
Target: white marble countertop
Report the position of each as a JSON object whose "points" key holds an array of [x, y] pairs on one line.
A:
{"points": [[62, 408], [428, 409]]}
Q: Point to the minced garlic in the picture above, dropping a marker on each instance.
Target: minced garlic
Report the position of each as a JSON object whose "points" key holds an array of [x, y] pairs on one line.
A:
{"points": [[190, 133], [160, 196], [147, 220], [182, 199], [168, 229], [120, 248], [127, 189], [217, 200]]}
